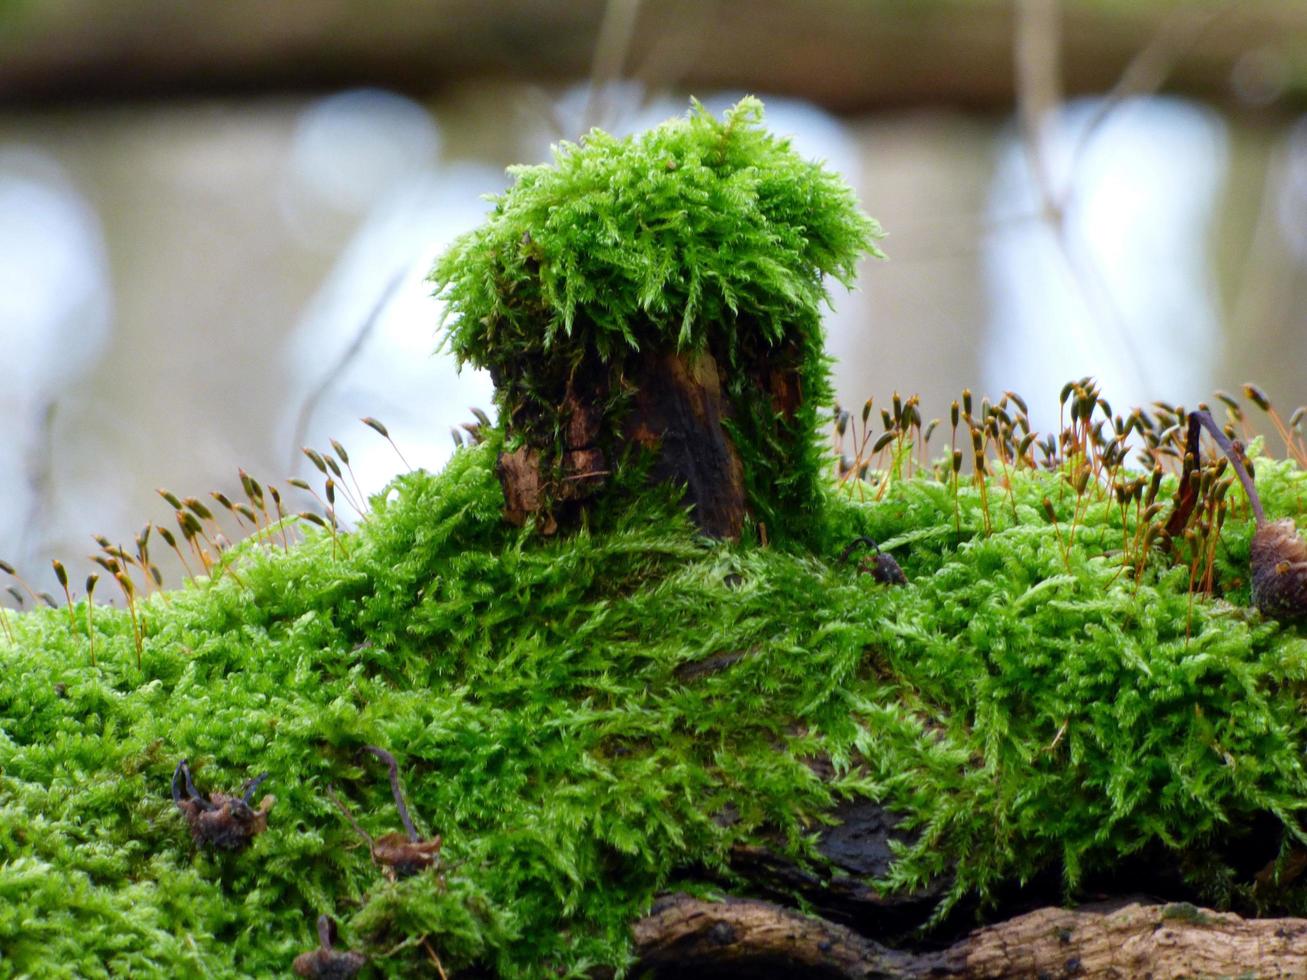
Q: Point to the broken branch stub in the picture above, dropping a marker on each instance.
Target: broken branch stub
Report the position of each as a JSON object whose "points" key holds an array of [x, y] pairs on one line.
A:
{"points": [[657, 300], [1278, 555]]}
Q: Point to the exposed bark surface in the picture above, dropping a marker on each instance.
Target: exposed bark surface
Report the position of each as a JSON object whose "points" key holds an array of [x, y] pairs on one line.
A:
{"points": [[855, 931], [846, 56], [523, 483], [744, 937], [678, 413], [683, 936]]}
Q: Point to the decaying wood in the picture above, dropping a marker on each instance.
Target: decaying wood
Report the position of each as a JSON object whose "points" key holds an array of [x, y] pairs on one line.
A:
{"points": [[858, 847], [524, 485], [683, 933], [739, 936], [678, 413], [714, 663], [1175, 940]]}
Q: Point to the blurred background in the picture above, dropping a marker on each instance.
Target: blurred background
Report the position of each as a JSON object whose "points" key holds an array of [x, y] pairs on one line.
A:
{"points": [[216, 218]]}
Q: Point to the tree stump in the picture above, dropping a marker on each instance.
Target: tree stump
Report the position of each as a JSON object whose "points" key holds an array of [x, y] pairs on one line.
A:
{"points": [[677, 415], [661, 295]]}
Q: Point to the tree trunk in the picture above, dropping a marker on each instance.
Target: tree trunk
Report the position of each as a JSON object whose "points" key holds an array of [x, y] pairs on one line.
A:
{"points": [[847, 57]]}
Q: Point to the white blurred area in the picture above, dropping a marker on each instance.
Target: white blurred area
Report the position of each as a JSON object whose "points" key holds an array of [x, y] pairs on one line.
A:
{"points": [[189, 289], [363, 345], [55, 320], [1117, 286]]}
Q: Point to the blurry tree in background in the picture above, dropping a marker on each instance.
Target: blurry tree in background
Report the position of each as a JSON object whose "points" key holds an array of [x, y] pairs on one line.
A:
{"points": [[849, 56], [215, 219]]}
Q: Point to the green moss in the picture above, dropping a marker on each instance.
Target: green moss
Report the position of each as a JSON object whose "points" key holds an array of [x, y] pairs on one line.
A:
{"points": [[701, 234], [1187, 913], [1021, 712]]}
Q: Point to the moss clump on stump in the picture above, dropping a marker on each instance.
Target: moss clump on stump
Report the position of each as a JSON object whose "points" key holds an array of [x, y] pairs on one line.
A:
{"points": [[661, 292]]}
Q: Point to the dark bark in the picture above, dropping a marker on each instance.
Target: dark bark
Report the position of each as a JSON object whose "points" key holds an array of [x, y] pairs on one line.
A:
{"points": [[858, 847], [747, 938], [677, 415]]}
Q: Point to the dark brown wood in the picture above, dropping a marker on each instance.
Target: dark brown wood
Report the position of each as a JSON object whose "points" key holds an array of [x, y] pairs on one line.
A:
{"points": [[858, 846], [678, 414], [746, 937]]}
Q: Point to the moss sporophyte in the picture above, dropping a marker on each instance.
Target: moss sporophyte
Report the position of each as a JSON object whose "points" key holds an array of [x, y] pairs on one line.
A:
{"points": [[1068, 677]]}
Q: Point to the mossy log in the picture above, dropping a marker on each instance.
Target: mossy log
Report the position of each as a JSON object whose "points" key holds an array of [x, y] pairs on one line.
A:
{"points": [[587, 721], [746, 937]]}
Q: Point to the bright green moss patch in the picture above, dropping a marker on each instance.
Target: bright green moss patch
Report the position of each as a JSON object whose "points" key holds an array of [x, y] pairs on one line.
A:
{"points": [[1022, 712], [660, 239]]}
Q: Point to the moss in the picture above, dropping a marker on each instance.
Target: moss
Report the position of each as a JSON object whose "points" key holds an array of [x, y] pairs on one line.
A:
{"points": [[1023, 712], [700, 235], [1187, 913]]}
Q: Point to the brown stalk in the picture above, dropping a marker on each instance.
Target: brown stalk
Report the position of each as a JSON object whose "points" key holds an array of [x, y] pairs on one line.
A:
{"points": [[4, 623], [1278, 559], [91, 580], [129, 592], [171, 541], [61, 574], [344, 458], [1262, 401], [377, 427], [9, 570]]}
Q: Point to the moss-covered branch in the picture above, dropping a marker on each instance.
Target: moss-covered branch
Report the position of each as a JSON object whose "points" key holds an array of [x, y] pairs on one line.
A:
{"points": [[1021, 712]]}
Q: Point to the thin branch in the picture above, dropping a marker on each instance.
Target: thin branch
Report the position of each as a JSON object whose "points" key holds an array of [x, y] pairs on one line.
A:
{"points": [[310, 404], [1204, 418], [393, 767], [1148, 71], [616, 32], [1037, 67]]}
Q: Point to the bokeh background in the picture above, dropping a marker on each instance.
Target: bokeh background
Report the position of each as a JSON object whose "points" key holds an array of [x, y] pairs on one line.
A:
{"points": [[216, 218]]}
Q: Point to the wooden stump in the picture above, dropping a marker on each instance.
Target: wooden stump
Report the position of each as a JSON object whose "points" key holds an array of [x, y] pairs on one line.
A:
{"points": [[677, 414]]}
